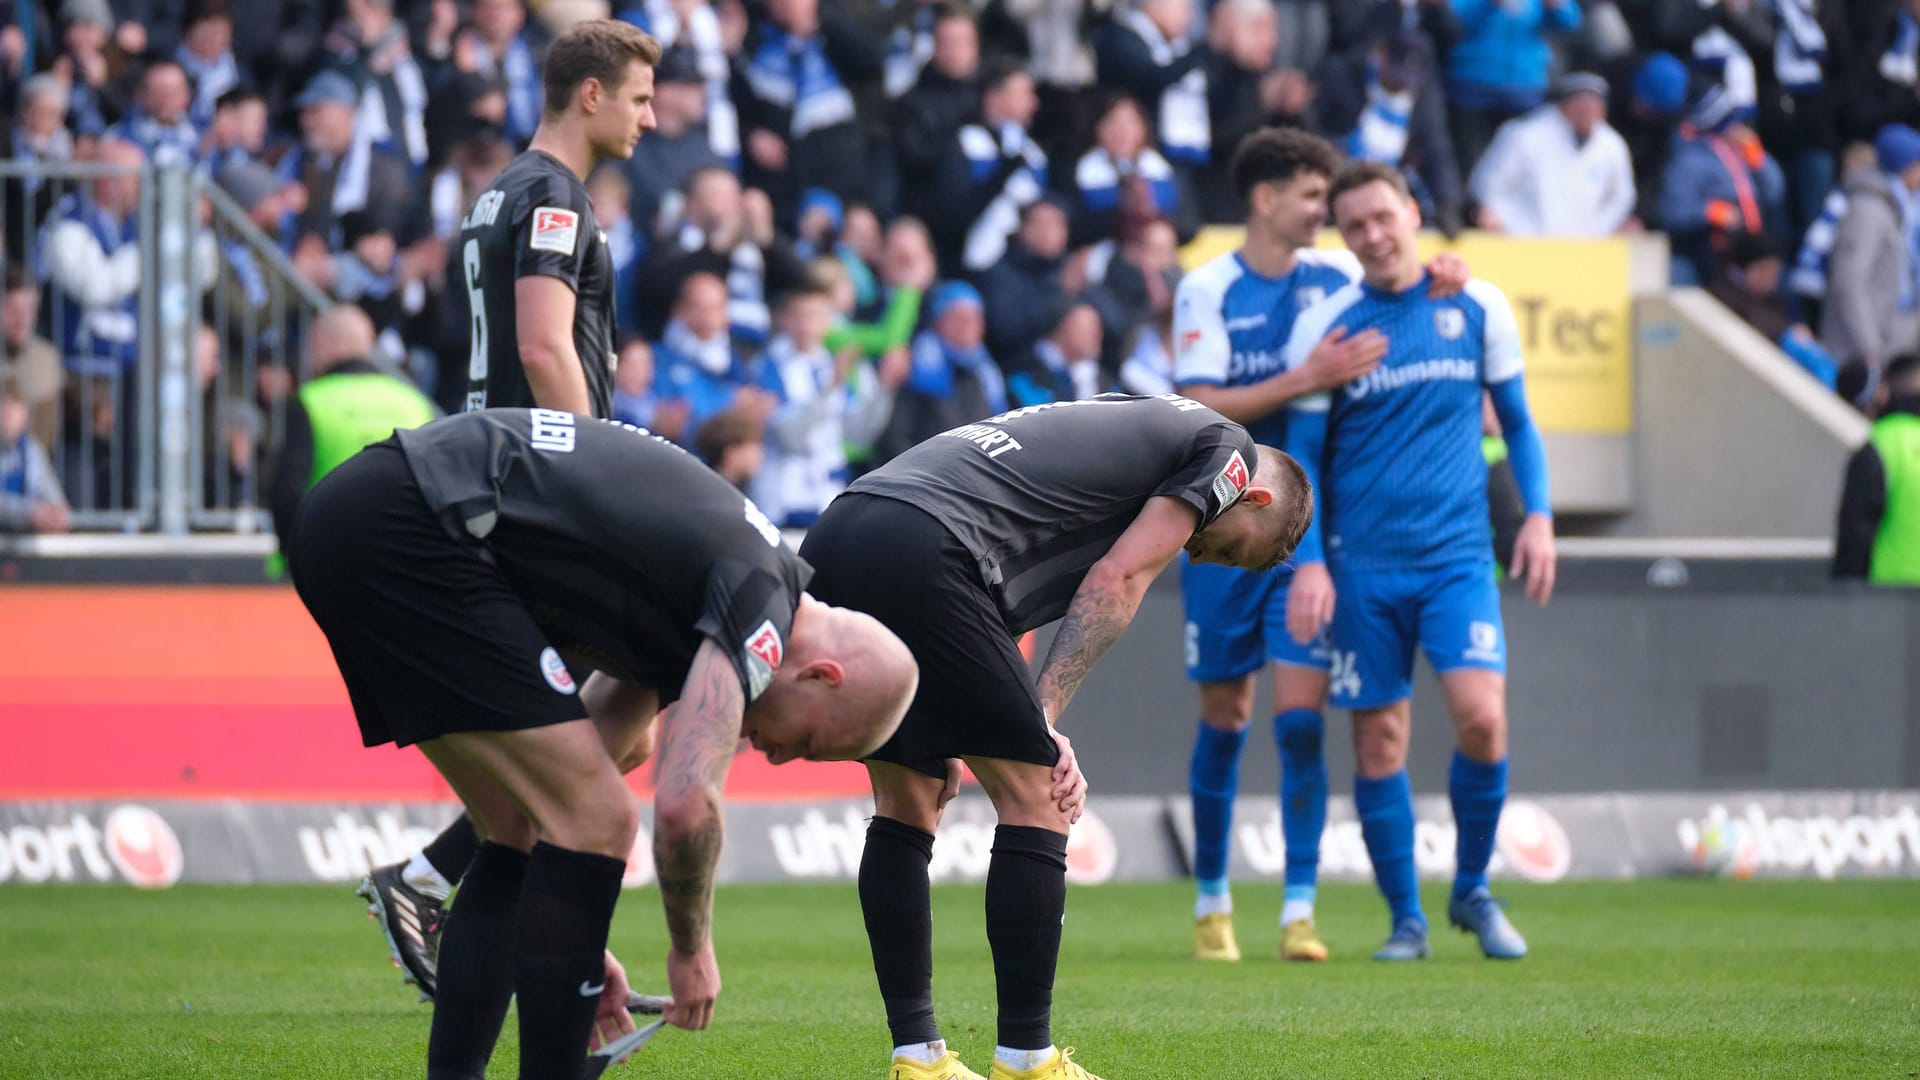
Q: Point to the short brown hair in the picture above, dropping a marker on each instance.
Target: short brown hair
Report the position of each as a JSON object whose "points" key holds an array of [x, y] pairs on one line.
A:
{"points": [[723, 431], [594, 49], [1276, 155], [1358, 174]]}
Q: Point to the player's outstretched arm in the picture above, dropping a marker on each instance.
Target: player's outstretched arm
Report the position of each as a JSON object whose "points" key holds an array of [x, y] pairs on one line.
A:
{"points": [[1534, 558], [544, 333], [1110, 594], [699, 733]]}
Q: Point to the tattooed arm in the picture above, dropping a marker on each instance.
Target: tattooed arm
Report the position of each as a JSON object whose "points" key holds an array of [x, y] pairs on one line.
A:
{"points": [[699, 734], [1110, 594]]}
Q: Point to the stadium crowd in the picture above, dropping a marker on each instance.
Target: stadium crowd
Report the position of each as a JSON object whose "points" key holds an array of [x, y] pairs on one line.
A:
{"points": [[861, 222]]}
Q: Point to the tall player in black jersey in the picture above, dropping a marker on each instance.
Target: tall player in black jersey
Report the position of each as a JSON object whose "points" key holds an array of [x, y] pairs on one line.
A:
{"points": [[538, 276], [456, 570], [962, 544], [538, 285]]}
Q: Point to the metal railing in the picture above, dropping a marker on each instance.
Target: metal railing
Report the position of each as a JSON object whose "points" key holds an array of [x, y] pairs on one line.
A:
{"points": [[169, 431]]}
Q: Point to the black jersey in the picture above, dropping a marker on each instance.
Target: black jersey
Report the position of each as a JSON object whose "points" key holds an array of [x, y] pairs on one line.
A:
{"points": [[1039, 494], [535, 218], [626, 550]]}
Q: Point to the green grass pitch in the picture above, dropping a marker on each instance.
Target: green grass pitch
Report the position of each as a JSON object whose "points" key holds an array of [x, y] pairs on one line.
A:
{"points": [[1647, 979]]}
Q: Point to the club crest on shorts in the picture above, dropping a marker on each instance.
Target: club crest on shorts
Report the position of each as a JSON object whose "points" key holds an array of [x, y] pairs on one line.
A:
{"points": [[764, 653], [1450, 323], [1232, 482], [554, 670], [1483, 640], [554, 230]]}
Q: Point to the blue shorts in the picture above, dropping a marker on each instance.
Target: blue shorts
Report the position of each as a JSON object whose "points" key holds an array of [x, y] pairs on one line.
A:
{"points": [[1237, 620], [1452, 612]]}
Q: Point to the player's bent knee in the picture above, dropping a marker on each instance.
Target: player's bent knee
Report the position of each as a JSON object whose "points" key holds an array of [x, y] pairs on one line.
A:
{"points": [[1227, 706], [1379, 743], [1482, 734]]}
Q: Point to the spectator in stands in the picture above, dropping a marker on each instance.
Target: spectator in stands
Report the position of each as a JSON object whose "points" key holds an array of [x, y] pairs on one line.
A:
{"points": [[26, 44], [928, 117], [953, 379], [733, 444], [470, 168], [1148, 366], [712, 36], [340, 172], [1720, 182], [237, 131], [1880, 82], [679, 146], [372, 272], [823, 404], [1872, 312], [696, 363], [1064, 365], [206, 55], [40, 130], [796, 103], [497, 45], [907, 272], [347, 404], [1800, 101], [992, 170], [1148, 53], [99, 90], [633, 400], [611, 196], [30, 497], [1560, 170], [1062, 64], [28, 360], [1123, 157], [249, 300], [1807, 282], [90, 257], [1879, 530], [275, 43], [729, 234], [1132, 285], [1656, 106], [148, 27], [1244, 92], [158, 124], [1748, 283], [1498, 69], [1383, 102], [1025, 294], [1724, 39], [370, 46]]}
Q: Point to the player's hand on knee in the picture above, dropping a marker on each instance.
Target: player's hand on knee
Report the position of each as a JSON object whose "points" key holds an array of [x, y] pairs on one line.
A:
{"points": [[1069, 783], [693, 979], [611, 1018], [952, 786], [1309, 602]]}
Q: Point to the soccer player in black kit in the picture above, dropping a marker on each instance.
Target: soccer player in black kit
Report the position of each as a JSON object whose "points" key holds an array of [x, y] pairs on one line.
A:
{"points": [[456, 570], [962, 544], [538, 285]]}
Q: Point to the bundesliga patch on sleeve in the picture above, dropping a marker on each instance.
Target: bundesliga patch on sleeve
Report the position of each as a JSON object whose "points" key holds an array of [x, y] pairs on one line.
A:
{"points": [[1232, 482], [554, 230], [764, 653]]}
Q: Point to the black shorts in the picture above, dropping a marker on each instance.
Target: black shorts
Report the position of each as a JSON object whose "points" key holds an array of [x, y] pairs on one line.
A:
{"points": [[900, 565], [429, 636]]}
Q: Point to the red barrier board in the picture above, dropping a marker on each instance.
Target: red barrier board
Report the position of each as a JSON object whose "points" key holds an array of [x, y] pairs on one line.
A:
{"points": [[212, 692]]}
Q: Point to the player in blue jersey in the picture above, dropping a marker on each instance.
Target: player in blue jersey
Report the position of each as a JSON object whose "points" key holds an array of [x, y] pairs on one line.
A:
{"points": [[1232, 318], [1403, 513]]}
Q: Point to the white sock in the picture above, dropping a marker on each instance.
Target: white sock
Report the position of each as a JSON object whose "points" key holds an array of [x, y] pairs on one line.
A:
{"points": [[1022, 1060], [1205, 904], [924, 1053], [1295, 910], [420, 874]]}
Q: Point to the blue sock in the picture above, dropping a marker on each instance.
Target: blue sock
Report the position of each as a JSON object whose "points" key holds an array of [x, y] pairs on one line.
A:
{"points": [[1385, 807], [1212, 781], [1479, 791], [1303, 796]]}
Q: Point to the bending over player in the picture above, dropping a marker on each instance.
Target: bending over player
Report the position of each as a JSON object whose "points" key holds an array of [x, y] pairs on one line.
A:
{"points": [[962, 544], [1406, 536], [455, 570]]}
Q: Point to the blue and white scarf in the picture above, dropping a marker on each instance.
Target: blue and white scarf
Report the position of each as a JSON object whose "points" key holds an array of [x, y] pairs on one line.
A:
{"points": [[101, 340], [935, 364], [713, 356], [908, 50], [211, 78], [177, 143], [987, 238], [798, 481], [1800, 48], [1717, 52], [1901, 63], [1809, 275], [1099, 177], [1382, 132], [1186, 131], [795, 73]]}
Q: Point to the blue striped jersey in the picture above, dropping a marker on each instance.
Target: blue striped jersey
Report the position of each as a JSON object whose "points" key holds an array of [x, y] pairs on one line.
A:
{"points": [[1403, 484]]}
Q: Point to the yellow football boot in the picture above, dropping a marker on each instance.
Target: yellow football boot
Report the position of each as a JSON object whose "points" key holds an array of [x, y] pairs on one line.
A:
{"points": [[1213, 938], [947, 1068], [1061, 1067], [1300, 941]]}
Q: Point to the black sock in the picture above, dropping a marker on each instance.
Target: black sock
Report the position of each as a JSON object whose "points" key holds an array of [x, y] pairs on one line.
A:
{"points": [[559, 944], [894, 898], [1026, 899], [454, 849], [476, 966]]}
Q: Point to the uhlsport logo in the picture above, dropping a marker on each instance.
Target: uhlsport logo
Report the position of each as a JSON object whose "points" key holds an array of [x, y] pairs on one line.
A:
{"points": [[1794, 845], [1532, 842], [134, 844], [554, 670]]}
